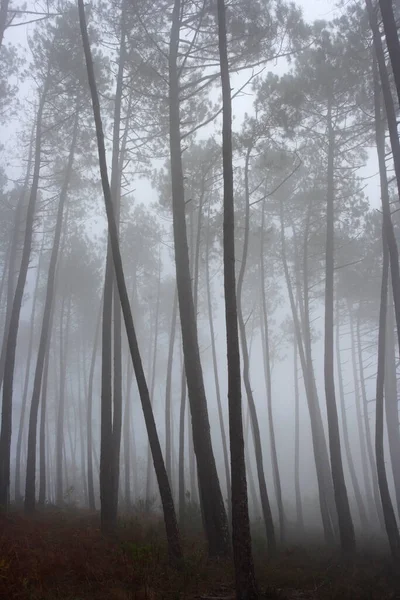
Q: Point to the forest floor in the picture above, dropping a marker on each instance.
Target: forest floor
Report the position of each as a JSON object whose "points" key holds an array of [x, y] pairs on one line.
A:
{"points": [[61, 555]]}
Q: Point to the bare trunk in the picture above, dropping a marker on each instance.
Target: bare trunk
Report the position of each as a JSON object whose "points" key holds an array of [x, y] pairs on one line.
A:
{"points": [[168, 408], [388, 512], [299, 504], [353, 475], [392, 39], [182, 491], [246, 587], [346, 528], [215, 519], [42, 432], [174, 545], [89, 448], [6, 416]]}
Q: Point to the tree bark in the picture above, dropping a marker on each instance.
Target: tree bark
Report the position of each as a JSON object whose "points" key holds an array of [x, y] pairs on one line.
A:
{"points": [[215, 519], [346, 528], [246, 587], [168, 408], [392, 40], [299, 504], [174, 545], [388, 512]]}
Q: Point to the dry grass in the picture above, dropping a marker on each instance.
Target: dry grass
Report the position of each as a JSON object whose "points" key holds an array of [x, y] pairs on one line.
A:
{"points": [[60, 555]]}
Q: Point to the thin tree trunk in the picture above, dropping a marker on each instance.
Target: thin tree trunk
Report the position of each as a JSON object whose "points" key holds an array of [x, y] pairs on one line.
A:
{"points": [[388, 512], [4, 16], [246, 587], [6, 416], [171, 525], [268, 384], [42, 432], [215, 369], [266, 508], [353, 475], [168, 449], [299, 504], [361, 434], [18, 497], [346, 528], [181, 462], [318, 437], [44, 334], [127, 436], [368, 435]]}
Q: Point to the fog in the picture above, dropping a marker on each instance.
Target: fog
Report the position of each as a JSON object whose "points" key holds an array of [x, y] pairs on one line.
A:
{"points": [[312, 155]]}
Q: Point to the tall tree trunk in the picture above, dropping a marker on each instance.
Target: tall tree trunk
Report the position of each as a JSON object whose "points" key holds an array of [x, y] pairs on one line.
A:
{"points": [[44, 334], [392, 40], [367, 426], [89, 448], [318, 436], [268, 383], [386, 91], [388, 512], [362, 435], [168, 408], [266, 508], [64, 343], [26, 383], [174, 545], [215, 518], [6, 415], [353, 475], [3, 18], [215, 369], [246, 588], [299, 504], [391, 403], [181, 461], [346, 528], [43, 464], [127, 436], [153, 383]]}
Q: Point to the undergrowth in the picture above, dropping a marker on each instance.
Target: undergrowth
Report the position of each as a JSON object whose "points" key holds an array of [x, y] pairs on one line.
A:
{"points": [[62, 555]]}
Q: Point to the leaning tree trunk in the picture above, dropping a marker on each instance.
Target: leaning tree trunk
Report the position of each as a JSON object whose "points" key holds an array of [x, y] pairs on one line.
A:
{"points": [[388, 512], [266, 508], [346, 528], [89, 418], [44, 334], [268, 382], [181, 459], [215, 519], [6, 416], [246, 587], [174, 545], [299, 504], [42, 430]]}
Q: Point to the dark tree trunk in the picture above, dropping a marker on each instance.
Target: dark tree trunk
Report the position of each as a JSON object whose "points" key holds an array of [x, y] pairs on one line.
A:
{"points": [[18, 497], [127, 436], [388, 512], [353, 475], [42, 431], [392, 39], [346, 528], [174, 545], [391, 403], [3, 18], [168, 408], [386, 91], [181, 461], [44, 334], [215, 520], [6, 416], [246, 587]]}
